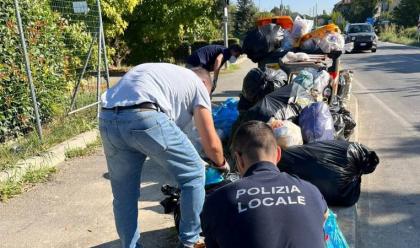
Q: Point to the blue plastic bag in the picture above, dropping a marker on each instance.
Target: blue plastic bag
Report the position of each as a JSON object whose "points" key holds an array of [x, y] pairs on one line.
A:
{"points": [[316, 123], [334, 238], [213, 176], [225, 115]]}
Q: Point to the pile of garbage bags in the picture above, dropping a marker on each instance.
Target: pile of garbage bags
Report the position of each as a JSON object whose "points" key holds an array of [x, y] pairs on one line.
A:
{"points": [[266, 95], [260, 43], [311, 125]]}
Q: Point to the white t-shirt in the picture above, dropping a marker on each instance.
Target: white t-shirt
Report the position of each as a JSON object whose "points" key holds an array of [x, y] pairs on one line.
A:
{"points": [[175, 89]]}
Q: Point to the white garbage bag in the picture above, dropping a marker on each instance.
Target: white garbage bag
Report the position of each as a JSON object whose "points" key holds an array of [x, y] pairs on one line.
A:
{"points": [[332, 42]]}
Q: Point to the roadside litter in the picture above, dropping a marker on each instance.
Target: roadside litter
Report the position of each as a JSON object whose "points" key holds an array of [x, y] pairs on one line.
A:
{"points": [[275, 104], [287, 133], [258, 83], [303, 97], [335, 167], [316, 123], [224, 116], [334, 238], [343, 122], [262, 40]]}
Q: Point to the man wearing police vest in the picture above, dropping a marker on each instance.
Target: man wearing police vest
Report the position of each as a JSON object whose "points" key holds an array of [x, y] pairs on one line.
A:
{"points": [[266, 208]]}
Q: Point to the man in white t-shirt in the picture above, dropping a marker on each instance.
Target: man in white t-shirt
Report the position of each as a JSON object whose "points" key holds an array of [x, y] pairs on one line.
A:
{"points": [[143, 116]]}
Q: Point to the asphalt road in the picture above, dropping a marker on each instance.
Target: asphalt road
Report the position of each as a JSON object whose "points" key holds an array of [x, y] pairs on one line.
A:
{"points": [[388, 89]]}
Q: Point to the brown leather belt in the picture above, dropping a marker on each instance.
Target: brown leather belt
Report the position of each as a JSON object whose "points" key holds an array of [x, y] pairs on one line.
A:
{"points": [[146, 106]]}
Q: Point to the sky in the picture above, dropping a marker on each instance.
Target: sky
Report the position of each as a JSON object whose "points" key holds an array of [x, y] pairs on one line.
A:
{"points": [[301, 6]]}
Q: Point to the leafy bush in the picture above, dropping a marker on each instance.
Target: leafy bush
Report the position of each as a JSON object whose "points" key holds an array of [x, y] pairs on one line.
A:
{"points": [[231, 41], [157, 28], [52, 62], [46, 50], [182, 52], [407, 36], [198, 44]]}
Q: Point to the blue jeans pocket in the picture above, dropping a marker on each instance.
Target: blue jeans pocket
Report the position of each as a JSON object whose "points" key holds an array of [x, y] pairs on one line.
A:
{"points": [[151, 141]]}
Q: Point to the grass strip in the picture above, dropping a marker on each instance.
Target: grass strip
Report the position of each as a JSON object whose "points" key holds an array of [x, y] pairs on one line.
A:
{"points": [[80, 152], [55, 132], [11, 188], [405, 36]]}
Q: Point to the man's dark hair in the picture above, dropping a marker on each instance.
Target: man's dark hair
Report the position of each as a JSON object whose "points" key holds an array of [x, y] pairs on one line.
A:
{"points": [[236, 48], [252, 139]]}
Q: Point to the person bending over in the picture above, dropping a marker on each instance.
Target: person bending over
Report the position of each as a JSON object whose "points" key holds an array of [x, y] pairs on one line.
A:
{"points": [[144, 115], [266, 208], [212, 58]]}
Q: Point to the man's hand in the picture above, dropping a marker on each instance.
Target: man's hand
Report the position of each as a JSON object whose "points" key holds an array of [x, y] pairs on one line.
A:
{"points": [[225, 168], [210, 141]]}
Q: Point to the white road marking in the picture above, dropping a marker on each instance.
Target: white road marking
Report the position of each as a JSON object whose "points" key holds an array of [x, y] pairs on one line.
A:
{"points": [[399, 118]]}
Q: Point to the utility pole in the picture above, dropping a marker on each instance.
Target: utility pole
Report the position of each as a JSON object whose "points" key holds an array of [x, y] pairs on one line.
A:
{"points": [[281, 8], [225, 25], [316, 14]]}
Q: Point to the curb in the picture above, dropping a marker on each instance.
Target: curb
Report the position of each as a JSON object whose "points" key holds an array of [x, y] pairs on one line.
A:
{"points": [[385, 42], [51, 158], [347, 216]]}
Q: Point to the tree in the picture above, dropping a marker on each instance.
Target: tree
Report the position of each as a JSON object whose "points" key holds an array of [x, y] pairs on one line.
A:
{"points": [[263, 14], [407, 13], [338, 19], [244, 18], [157, 28], [360, 10], [276, 11], [115, 18], [282, 10]]}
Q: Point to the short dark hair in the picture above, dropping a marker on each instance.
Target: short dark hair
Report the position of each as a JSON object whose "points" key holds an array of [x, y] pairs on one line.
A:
{"points": [[253, 138], [235, 48]]}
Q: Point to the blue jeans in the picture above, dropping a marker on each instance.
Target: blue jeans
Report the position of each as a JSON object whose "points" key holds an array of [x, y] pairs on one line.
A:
{"points": [[129, 136]]}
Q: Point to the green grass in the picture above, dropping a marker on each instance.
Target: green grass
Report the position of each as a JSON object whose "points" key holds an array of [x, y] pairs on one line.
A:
{"points": [[11, 188], [55, 132], [406, 36], [231, 68], [80, 152]]}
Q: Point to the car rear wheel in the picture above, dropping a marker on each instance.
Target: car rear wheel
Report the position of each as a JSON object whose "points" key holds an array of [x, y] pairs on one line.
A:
{"points": [[374, 50]]}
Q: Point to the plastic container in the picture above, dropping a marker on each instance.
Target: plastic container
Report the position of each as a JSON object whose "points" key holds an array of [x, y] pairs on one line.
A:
{"points": [[286, 22]]}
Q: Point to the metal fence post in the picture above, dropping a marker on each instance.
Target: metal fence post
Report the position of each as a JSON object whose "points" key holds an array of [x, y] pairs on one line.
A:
{"points": [[105, 55], [98, 79], [28, 70]]}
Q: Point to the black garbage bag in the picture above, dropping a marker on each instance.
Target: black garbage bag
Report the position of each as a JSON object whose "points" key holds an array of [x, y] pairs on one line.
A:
{"points": [[258, 83], [275, 105], [244, 104], [344, 123], [335, 167], [316, 123], [260, 41], [272, 58]]}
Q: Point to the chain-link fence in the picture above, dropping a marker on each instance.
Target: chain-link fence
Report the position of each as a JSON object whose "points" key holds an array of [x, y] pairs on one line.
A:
{"points": [[52, 61]]}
